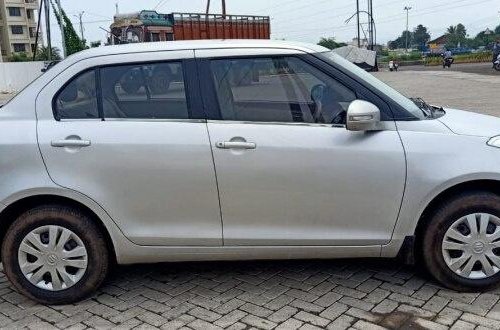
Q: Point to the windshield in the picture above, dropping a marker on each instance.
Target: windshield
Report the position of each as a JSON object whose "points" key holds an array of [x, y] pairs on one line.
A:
{"points": [[376, 84]]}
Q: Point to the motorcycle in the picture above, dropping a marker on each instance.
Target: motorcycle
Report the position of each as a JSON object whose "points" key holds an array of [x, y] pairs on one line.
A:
{"points": [[393, 66], [447, 61], [496, 64]]}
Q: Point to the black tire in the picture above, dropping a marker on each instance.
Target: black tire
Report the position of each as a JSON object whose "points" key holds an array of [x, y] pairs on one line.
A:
{"points": [[433, 233], [69, 218]]}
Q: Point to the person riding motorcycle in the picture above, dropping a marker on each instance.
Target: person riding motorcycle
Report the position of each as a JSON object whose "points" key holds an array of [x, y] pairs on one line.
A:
{"points": [[496, 52], [447, 58]]}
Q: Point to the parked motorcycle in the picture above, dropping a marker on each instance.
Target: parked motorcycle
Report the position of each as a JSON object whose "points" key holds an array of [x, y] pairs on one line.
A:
{"points": [[393, 66], [496, 64]]}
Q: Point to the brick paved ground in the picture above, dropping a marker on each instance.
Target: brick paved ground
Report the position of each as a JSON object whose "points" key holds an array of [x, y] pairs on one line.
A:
{"points": [[359, 294], [362, 294]]}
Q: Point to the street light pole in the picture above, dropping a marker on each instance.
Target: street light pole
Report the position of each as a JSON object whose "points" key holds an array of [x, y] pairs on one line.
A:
{"points": [[59, 8], [407, 8]]}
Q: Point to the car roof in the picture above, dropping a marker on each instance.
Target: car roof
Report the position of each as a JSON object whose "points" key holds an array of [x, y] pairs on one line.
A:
{"points": [[196, 45]]}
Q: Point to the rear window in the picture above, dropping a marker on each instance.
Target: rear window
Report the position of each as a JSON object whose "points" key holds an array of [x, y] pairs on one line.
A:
{"points": [[139, 91], [78, 99]]}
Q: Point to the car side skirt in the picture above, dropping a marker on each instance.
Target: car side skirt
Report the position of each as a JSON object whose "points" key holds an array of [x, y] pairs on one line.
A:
{"points": [[153, 254]]}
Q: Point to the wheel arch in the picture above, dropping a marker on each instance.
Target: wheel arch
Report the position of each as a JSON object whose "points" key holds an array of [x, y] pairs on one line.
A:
{"points": [[487, 185], [12, 210]]}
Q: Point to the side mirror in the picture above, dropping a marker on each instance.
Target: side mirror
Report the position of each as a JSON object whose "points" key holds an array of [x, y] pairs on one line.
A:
{"points": [[363, 116]]}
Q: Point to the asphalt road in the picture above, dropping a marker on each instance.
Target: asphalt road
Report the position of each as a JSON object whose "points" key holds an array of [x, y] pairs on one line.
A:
{"points": [[459, 88]]}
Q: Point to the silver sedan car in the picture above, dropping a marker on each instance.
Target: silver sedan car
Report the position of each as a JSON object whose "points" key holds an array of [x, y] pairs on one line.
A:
{"points": [[233, 150]]}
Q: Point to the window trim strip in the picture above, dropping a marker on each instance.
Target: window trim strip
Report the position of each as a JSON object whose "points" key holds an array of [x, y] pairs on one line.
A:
{"points": [[98, 93]]}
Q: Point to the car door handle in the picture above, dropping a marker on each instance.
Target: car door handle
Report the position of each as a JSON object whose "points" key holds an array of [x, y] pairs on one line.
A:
{"points": [[70, 143], [236, 145]]}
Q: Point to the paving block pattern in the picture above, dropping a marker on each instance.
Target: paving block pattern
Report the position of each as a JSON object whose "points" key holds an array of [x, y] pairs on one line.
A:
{"points": [[339, 294]]}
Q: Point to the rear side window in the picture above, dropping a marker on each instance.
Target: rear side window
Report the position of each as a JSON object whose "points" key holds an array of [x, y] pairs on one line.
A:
{"points": [[151, 91], [142, 91], [78, 100]]}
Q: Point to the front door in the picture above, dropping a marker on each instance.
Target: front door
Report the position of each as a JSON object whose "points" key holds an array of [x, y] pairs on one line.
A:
{"points": [[289, 173], [130, 138]]}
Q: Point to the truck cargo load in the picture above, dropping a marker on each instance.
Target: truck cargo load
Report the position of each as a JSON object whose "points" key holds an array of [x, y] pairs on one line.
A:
{"points": [[150, 26]]}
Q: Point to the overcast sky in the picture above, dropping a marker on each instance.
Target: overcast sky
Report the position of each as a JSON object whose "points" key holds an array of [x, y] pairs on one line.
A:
{"points": [[304, 20]]}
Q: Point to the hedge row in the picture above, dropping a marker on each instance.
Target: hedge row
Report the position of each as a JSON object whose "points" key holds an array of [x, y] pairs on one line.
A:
{"points": [[465, 58]]}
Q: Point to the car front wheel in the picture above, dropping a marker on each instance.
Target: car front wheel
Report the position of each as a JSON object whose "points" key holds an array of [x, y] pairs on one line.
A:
{"points": [[55, 255], [461, 243]]}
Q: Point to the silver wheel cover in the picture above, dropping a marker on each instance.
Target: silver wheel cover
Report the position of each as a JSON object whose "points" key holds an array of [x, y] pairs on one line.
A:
{"points": [[52, 258], [471, 246]]}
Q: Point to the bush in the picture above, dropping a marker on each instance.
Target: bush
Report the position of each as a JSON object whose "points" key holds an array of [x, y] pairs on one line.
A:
{"points": [[19, 57], [393, 56], [465, 58]]}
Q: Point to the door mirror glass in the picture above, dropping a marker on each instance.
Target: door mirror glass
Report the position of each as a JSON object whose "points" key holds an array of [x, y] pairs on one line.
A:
{"points": [[363, 116]]}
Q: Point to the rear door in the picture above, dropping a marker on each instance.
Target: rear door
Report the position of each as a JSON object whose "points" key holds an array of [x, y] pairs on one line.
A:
{"points": [[288, 170], [131, 137]]}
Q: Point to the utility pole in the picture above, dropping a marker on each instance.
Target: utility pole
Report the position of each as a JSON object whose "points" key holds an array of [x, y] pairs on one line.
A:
{"points": [[407, 8], [59, 8], [47, 28], [223, 8], [370, 25], [357, 20], [79, 16]]}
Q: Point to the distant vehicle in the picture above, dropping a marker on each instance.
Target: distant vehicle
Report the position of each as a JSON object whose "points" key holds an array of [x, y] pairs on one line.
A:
{"points": [[150, 26], [235, 150], [393, 66], [447, 60]]}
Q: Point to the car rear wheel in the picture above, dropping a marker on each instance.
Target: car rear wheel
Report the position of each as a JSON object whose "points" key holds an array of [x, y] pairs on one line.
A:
{"points": [[55, 255], [461, 243]]}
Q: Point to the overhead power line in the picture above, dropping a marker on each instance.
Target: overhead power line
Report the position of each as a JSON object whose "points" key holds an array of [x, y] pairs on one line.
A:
{"points": [[399, 17], [159, 4]]}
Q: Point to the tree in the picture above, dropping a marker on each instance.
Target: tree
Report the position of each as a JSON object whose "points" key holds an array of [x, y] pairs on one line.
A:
{"points": [[461, 30], [42, 54], [484, 38], [456, 35], [73, 42], [330, 43], [400, 42], [497, 30], [420, 36]]}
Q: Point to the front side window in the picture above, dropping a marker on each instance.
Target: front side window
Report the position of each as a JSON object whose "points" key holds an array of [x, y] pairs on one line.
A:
{"points": [[148, 91], [14, 11], [374, 83], [77, 100], [278, 89]]}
